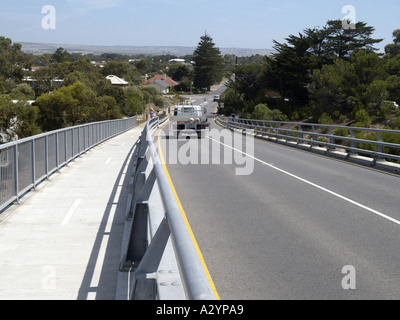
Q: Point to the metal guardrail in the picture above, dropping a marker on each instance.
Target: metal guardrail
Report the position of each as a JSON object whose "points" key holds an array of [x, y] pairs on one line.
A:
{"points": [[154, 221], [26, 163], [309, 135]]}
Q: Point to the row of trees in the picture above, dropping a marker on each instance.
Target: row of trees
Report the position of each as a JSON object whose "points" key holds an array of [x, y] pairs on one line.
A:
{"points": [[70, 105], [84, 94], [328, 71], [207, 70], [208, 65]]}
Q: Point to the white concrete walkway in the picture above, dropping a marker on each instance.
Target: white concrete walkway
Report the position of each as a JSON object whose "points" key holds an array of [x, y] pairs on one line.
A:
{"points": [[63, 241]]}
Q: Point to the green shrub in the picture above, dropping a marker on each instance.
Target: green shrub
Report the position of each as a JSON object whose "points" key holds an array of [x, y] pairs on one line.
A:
{"points": [[341, 132], [391, 138], [362, 119]]}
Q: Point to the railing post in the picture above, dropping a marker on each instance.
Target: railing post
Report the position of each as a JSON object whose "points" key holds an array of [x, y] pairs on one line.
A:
{"points": [[66, 145], [301, 135], [379, 148], [331, 139], [352, 142], [33, 160], [16, 176], [57, 153], [315, 136], [46, 155]]}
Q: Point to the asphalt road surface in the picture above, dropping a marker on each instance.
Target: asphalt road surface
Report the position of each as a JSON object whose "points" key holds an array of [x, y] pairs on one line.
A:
{"points": [[296, 226]]}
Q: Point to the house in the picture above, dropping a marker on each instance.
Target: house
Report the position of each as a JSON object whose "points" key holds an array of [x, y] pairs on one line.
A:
{"points": [[118, 82], [181, 61], [98, 64], [161, 86], [162, 83], [177, 61], [32, 82]]}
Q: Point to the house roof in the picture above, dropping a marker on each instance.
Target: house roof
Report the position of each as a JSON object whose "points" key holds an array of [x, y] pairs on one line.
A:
{"points": [[117, 81], [177, 60], [160, 77], [162, 83]]}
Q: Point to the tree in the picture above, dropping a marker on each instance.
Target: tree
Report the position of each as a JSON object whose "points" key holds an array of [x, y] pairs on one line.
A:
{"points": [[248, 79], [208, 68], [27, 116], [289, 71], [18, 119], [262, 112], [119, 69], [23, 92], [394, 48], [8, 116], [342, 43], [332, 88], [142, 66], [179, 71], [67, 106], [61, 55], [103, 108], [12, 60], [375, 95], [233, 101], [135, 103], [151, 96], [393, 88], [368, 66], [348, 86], [362, 119]]}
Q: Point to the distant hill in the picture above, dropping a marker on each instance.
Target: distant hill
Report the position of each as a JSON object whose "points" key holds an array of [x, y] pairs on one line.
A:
{"points": [[40, 48]]}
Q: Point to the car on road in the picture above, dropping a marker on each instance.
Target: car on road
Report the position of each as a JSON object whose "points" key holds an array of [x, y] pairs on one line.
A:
{"points": [[216, 98], [188, 117], [394, 104]]}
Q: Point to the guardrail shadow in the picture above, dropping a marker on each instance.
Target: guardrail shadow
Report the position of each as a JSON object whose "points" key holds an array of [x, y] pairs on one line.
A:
{"points": [[107, 283]]}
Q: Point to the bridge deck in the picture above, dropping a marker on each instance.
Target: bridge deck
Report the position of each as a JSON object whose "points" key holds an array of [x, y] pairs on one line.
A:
{"points": [[63, 240]]}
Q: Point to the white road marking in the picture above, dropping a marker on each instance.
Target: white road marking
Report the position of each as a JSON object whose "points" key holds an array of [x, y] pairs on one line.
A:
{"points": [[380, 214], [71, 212], [108, 160]]}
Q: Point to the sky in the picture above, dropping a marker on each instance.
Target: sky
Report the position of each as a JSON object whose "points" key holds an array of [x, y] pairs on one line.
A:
{"points": [[231, 23]]}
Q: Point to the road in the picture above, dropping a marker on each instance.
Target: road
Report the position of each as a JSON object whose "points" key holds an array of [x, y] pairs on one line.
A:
{"points": [[298, 226]]}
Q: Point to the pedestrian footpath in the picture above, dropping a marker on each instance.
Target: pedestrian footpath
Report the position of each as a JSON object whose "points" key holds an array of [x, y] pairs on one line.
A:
{"points": [[63, 240]]}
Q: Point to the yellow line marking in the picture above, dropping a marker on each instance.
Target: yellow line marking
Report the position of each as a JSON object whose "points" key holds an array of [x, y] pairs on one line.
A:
{"points": [[203, 263]]}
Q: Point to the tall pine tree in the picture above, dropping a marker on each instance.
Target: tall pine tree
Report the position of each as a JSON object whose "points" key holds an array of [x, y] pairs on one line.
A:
{"points": [[208, 69]]}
